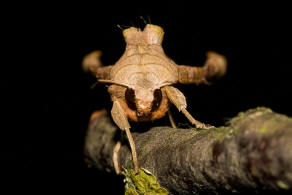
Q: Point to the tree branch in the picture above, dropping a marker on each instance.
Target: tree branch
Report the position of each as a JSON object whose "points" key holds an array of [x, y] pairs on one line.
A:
{"points": [[253, 153]]}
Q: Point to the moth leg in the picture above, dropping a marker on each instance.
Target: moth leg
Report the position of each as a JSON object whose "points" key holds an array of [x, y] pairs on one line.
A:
{"points": [[179, 100], [91, 63], [115, 157], [133, 149], [121, 120], [173, 125], [215, 66]]}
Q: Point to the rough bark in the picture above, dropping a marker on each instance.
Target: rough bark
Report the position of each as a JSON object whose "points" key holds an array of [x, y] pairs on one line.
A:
{"points": [[252, 153]]}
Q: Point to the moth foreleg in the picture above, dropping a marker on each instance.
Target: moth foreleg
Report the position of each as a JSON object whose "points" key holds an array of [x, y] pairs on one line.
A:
{"points": [[120, 118]]}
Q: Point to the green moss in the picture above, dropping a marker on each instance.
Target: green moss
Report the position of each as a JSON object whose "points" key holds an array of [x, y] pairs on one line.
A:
{"points": [[257, 109], [262, 130], [282, 185], [237, 118], [242, 115], [142, 183], [221, 132]]}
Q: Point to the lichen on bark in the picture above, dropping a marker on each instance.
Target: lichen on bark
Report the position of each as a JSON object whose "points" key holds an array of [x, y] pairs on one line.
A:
{"points": [[142, 183]]}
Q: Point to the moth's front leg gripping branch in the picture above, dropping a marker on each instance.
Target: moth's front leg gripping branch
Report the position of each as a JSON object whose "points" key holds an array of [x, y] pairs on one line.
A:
{"points": [[215, 66], [121, 120], [178, 99]]}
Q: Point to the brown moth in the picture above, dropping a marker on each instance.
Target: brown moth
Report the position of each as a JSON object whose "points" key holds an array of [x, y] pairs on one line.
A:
{"points": [[141, 81]]}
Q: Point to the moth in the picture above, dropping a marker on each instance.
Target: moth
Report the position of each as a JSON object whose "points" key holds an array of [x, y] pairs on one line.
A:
{"points": [[141, 81]]}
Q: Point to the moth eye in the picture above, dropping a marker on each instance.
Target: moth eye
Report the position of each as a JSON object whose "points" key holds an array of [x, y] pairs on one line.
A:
{"points": [[157, 99], [130, 98]]}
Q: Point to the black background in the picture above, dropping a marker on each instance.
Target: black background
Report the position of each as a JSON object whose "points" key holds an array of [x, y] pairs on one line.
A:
{"points": [[48, 99]]}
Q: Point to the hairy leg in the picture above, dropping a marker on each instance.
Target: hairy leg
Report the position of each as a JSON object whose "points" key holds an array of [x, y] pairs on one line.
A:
{"points": [[115, 157], [179, 100], [121, 120], [171, 119]]}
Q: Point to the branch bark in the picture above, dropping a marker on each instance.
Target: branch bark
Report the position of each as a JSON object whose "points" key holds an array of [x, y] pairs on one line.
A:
{"points": [[252, 153]]}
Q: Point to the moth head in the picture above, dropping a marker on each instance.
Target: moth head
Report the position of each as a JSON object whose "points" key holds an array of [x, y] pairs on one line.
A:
{"points": [[144, 101]]}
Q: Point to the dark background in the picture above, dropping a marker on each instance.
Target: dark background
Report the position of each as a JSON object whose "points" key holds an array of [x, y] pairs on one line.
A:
{"points": [[48, 99]]}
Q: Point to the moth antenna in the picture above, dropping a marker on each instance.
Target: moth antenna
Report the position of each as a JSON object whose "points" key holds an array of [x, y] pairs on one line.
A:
{"points": [[123, 27], [93, 85], [113, 82], [165, 84], [119, 26], [142, 18], [148, 17]]}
